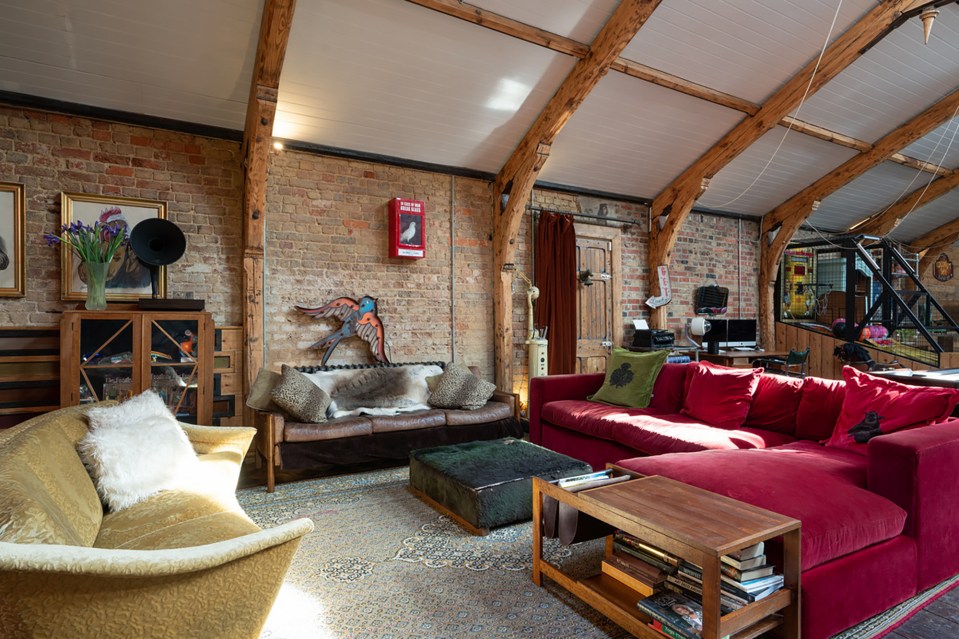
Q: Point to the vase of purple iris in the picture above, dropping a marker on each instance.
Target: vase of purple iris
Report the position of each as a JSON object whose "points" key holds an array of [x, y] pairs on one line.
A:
{"points": [[95, 246]]}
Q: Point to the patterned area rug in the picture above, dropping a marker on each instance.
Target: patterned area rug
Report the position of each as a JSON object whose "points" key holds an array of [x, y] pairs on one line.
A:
{"points": [[381, 564]]}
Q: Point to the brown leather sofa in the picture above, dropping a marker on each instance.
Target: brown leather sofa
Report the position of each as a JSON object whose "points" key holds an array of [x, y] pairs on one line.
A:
{"points": [[363, 439]]}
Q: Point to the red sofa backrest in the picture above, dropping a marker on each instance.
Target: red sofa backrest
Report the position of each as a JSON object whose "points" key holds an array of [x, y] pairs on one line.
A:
{"points": [[819, 407], [775, 404], [669, 388]]}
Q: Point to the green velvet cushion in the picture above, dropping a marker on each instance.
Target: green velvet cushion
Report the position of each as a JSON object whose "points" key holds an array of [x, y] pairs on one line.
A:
{"points": [[630, 377]]}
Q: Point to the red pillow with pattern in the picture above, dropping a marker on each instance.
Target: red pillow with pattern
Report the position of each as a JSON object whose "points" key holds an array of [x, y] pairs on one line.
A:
{"points": [[875, 406]]}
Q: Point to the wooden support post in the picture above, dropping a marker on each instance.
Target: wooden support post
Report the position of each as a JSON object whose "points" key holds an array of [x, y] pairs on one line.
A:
{"points": [[257, 144], [515, 180]]}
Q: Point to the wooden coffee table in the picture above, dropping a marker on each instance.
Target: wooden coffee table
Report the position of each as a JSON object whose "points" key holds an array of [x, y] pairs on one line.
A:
{"points": [[692, 523]]}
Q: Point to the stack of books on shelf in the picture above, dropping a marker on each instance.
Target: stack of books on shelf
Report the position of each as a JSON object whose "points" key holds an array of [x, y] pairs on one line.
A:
{"points": [[674, 615], [745, 578], [747, 575], [642, 567]]}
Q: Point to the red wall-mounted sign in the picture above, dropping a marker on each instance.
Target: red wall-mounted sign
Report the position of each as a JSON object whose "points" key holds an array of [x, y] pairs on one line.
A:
{"points": [[407, 228]]}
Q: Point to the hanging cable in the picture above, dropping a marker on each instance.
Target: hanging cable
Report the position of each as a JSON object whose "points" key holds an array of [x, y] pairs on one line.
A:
{"points": [[815, 70]]}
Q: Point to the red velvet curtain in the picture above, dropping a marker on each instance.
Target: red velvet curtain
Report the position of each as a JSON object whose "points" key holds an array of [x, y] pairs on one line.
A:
{"points": [[556, 279]]}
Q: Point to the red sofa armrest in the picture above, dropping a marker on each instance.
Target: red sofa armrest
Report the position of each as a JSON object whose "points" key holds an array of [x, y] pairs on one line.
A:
{"points": [[551, 388], [918, 469]]}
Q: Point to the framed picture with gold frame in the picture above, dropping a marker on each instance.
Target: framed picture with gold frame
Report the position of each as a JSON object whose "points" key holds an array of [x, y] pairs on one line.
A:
{"points": [[127, 278], [12, 217]]}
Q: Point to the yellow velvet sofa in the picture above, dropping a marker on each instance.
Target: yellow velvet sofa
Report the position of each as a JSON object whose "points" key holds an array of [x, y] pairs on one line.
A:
{"points": [[182, 563]]}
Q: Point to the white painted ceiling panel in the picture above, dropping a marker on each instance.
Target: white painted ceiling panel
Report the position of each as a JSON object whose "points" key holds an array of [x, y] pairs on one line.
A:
{"points": [[895, 80], [580, 20], [127, 55], [436, 90], [941, 147], [800, 161], [633, 137], [938, 212], [747, 48], [872, 192]]}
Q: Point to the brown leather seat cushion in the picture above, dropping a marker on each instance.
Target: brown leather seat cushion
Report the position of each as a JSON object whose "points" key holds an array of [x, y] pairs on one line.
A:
{"points": [[489, 413], [333, 429], [407, 421]]}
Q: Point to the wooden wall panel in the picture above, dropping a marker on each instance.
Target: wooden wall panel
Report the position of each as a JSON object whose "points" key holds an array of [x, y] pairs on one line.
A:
{"points": [[822, 362]]}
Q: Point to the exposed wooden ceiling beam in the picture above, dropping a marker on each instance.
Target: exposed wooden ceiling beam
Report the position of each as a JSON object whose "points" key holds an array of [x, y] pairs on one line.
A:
{"points": [[937, 238], [885, 221], [568, 46], [781, 223], [257, 144], [671, 207], [513, 183], [793, 212]]}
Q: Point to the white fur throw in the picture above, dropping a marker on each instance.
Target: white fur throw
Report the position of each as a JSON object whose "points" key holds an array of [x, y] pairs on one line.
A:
{"points": [[385, 390], [136, 449]]}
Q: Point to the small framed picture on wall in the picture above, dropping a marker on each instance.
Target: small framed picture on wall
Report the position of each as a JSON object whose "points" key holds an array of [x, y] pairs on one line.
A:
{"points": [[127, 277], [11, 240]]}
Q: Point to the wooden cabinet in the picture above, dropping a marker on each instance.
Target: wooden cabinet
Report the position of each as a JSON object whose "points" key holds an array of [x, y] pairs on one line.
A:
{"points": [[117, 354]]}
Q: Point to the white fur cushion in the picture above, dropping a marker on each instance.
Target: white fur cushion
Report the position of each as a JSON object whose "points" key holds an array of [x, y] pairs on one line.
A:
{"points": [[136, 449]]}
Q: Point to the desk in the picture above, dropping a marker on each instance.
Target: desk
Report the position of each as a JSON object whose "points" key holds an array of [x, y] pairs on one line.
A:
{"points": [[948, 378], [739, 359]]}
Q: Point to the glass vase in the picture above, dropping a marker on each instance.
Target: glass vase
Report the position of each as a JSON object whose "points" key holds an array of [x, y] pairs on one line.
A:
{"points": [[96, 279]]}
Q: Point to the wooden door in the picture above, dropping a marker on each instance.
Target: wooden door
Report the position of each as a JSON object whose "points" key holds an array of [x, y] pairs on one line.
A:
{"points": [[599, 319]]}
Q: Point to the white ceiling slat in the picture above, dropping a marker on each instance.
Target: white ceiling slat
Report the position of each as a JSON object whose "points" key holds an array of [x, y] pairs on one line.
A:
{"points": [[747, 48], [940, 147], [872, 192], [580, 20], [799, 162], [438, 90], [922, 220], [118, 55], [633, 137], [892, 82]]}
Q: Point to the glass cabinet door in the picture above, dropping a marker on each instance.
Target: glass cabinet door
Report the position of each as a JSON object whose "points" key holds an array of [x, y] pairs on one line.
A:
{"points": [[107, 360], [174, 368]]}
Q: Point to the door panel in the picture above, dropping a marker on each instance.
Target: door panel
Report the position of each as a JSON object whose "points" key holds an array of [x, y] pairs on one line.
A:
{"points": [[597, 299]]}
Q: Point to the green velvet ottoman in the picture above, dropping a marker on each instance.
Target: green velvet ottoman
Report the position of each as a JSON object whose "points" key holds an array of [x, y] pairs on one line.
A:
{"points": [[485, 484]]}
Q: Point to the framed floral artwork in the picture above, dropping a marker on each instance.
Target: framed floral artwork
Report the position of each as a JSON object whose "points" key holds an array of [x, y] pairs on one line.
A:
{"points": [[127, 277], [12, 217]]}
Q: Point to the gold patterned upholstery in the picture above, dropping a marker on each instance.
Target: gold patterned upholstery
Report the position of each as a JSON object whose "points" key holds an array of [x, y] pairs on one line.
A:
{"points": [[184, 563]]}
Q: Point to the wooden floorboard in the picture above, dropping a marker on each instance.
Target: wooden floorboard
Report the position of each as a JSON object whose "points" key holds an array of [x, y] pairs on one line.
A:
{"points": [[938, 620]]}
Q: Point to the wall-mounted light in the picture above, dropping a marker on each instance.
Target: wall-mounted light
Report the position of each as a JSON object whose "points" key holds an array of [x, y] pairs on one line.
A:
{"points": [[277, 146]]}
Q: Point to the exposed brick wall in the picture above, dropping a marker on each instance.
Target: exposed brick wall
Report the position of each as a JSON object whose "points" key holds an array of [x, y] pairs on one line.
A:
{"points": [[326, 237], [709, 250], [198, 177], [946, 293]]}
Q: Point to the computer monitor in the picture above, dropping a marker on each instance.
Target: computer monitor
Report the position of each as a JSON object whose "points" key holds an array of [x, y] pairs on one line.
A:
{"points": [[741, 332]]}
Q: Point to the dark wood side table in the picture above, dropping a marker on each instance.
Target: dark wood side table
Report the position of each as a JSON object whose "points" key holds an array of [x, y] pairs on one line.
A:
{"points": [[689, 522]]}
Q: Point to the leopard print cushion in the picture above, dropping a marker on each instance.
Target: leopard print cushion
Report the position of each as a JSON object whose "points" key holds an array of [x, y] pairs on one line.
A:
{"points": [[301, 398], [459, 388]]}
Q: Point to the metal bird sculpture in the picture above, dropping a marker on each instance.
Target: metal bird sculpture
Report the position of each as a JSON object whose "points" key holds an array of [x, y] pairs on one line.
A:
{"points": [[359, 319]]}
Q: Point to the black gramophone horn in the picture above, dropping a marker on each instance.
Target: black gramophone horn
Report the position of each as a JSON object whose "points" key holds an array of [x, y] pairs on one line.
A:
{"points": [[157, 242]]}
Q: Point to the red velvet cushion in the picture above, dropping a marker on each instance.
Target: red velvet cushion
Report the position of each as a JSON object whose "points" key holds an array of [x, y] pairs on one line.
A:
{"points": [[897, 405], [775, 404], [669, 388], [719, 395], [822, 487], [819, 407]]}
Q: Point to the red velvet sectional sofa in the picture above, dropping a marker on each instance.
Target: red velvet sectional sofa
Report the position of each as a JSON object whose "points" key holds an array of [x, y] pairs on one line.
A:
{"points": [[880, 519]]}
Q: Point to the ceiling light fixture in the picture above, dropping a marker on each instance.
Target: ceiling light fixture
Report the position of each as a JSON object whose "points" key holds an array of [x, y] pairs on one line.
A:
{"points": [[277, 146], [928, 16]]}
